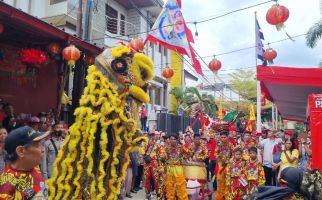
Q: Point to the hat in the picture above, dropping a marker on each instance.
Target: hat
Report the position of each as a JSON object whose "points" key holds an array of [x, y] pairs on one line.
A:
{"points": [[289, 132], [232, 128], [22, 136], [34, 120]]}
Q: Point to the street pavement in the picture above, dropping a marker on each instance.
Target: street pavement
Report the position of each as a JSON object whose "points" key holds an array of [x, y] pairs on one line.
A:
{"points": [[141, 195]]}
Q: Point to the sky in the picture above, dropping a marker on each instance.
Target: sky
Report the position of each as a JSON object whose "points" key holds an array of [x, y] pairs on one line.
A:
{"points": [[237, 31]]}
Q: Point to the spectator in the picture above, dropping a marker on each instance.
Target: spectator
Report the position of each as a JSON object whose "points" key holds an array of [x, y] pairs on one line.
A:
{"points": [[144, 118], [290, 155], [52, 146], [34, 123], [22, 179], [9, 121], [303, 151], [138, 178], [3, 135], [268, 145], [212, 158], [180, 108]]}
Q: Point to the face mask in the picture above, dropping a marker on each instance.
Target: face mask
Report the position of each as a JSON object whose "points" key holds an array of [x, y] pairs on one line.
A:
{"points": [[58, 133]]}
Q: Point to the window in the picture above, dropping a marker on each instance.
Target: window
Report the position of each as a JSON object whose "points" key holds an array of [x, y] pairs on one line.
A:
{"points": [[160, 48], [111, 19], [56, 1], [122, 25], [157, 100], [165, 52]]}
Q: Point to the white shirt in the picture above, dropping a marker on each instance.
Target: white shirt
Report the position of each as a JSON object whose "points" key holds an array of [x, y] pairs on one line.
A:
{"points": [[268, 145]]}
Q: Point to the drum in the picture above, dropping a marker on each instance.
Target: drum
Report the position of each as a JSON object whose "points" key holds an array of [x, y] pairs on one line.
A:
{"points": [[193, 172]]}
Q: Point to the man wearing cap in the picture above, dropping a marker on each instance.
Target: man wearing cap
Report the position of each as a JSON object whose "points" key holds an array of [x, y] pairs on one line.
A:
{"points": [[22, 179], [232, 138]]}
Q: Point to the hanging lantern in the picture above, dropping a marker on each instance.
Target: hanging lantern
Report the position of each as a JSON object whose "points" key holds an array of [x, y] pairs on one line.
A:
{"points": [[277, 15], [136, 44], [214, 65], [90, 59], [1, 27], [71, 54], [167, 72], [54, 48], [269, 55]]}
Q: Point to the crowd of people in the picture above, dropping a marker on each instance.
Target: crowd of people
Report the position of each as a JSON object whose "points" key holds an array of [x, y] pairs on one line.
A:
{"points": [[167, 166], [235, 162]]}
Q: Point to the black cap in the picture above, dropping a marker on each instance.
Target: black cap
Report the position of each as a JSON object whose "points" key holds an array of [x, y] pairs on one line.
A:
{"points": [[22, 136]]}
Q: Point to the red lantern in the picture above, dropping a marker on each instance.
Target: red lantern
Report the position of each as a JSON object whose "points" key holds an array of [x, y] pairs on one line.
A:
{"points": [[33, 56], [136, 44], [277, 15], [90, 59], [53, 48], [71, 54], [269, 55], [1, 27], [214, 65], [167, 72]]}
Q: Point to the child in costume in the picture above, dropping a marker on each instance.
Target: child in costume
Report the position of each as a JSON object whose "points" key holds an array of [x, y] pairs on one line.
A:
{"points": [[246, 144], [223, 154], [151, 166], [254, 171], [236, 176], [175, 180]]}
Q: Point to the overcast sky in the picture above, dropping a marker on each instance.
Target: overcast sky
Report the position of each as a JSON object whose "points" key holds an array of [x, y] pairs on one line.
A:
{"points": [[237, 31]]}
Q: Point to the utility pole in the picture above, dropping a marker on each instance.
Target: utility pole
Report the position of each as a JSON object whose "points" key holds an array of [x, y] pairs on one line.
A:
{"points": [[88, 20], [79, 19]]}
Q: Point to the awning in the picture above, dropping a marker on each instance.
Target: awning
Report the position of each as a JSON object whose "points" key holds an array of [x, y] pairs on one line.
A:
{"points": [[289, 88], [20, 27]]}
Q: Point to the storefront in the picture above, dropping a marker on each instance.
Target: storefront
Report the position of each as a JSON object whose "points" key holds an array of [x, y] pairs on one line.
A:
{"points": [[33, 72]]}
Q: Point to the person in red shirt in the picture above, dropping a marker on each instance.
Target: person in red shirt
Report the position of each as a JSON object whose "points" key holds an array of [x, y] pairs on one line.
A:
{"points": [[22, 179], [232, 138], [212, 158], [144, 117]]}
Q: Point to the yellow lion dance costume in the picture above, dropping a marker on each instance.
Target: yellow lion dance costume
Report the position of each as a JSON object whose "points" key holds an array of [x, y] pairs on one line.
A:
{"points": [[93, 160]]}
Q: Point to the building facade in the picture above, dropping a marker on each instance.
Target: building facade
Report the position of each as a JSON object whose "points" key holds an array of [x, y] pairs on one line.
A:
{"points": [[105, 23]]}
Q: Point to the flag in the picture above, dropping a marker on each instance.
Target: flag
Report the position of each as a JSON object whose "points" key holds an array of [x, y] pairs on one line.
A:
{"points": [[220, 115], [171, 32], [252, 118], [230, 116], [259, 44]]}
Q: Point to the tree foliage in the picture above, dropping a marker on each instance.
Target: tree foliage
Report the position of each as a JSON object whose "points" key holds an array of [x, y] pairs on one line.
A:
{"points": [[244, 83], [192, 95], [314, 34]]}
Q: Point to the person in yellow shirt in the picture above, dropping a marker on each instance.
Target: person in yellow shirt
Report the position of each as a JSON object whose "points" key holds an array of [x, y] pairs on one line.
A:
{"points": [[289, 156]]}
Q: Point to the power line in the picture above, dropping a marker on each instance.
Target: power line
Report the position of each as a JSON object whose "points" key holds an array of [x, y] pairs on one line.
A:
{"points": [[193, 22], [231, 12]]}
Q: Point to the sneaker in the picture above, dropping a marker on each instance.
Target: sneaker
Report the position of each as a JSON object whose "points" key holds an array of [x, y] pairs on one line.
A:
{"points": [[128, 195]]}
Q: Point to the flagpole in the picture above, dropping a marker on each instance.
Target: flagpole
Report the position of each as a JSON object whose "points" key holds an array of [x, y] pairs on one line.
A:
{"points": [[258, 104]]}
